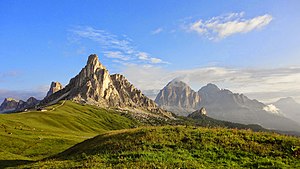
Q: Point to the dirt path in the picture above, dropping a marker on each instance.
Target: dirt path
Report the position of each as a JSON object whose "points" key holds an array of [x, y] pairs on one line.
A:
{"points": [[58, 106]]}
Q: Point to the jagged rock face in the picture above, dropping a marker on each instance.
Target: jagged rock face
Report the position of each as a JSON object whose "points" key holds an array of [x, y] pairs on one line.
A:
{"points": [[178, 97], [94, 85], [131, 96], [54, 87], [9, 105]]}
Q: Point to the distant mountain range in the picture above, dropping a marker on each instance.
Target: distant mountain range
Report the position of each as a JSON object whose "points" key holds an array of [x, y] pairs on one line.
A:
{"points": [[179, 98], [10, 105]]}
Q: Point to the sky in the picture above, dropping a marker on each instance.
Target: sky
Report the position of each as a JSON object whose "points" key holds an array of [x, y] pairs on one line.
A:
{"points": [[249, 47]]}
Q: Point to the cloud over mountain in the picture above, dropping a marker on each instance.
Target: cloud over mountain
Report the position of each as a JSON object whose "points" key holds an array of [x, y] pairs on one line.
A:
{"points": [[119, 48], [264, 84]]}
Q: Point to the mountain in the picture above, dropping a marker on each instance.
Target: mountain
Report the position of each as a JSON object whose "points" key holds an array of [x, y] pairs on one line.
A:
{"points": [[10, 105], [289, 107], [54, 87], [95, 86], [228, 106], [222, 104], [178, 97]]}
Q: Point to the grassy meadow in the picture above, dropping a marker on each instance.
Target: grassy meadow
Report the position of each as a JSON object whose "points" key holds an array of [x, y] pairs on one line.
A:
{"points": [[30, 136], [69, 135]]}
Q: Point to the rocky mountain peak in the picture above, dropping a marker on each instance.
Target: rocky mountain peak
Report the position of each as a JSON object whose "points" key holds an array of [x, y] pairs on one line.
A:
{"points": [[178, 97], [10, 99], [54, 87], [32, 100], [176, 83], [9, 104], [210, 88], [94, 85], [93, 64]]}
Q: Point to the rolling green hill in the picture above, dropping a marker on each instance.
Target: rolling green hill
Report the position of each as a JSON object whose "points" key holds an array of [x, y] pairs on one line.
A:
{"points": [[36, 135], [180, 147], [42, 139]]}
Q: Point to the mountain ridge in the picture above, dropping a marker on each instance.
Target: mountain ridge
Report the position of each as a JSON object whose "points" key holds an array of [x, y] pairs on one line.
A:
{"points": [[10, 105], [222, 104]]}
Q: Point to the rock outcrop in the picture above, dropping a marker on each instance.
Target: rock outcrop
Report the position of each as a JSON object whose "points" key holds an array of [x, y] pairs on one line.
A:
{"points": [[10, 105], [94, 85], [179, 98], [198, 113], [54, 87]]}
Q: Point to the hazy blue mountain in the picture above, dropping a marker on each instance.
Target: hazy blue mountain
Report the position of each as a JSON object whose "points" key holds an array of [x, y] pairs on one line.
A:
{"points": [[221, 104]]}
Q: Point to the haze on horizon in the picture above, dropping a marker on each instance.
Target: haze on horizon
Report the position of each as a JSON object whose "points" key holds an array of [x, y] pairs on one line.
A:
{"points": [[250, 48]]}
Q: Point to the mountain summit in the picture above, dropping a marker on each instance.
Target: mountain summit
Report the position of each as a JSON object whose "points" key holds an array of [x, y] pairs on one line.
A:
{"points": [[54, 87], [94, 85], [178, 97]]}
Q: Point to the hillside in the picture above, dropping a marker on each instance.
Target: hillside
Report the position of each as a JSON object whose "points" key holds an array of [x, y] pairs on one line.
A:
{"points": [[36, 135], [180, 147]]}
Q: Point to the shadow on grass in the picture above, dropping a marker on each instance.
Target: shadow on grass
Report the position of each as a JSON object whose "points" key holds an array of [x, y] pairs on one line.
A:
{"points": [[13, 163]]}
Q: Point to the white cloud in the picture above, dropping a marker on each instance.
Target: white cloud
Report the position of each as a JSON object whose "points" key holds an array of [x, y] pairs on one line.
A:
{"points": [[157, 31], [263, 84], [143, 56], [155, 60], [272, 109], [223, 26], [146, 57], [116, 47], [116, 55]]}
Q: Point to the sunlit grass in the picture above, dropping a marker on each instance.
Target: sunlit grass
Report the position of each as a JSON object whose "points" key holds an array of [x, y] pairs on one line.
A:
{"points": [[180, 147]]}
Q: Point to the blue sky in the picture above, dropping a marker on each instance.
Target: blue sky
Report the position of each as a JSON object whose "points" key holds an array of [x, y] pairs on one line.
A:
{"points": [[247, 46]]}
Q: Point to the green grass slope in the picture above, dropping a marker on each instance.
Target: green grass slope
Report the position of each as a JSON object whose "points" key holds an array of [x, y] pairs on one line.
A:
{"points": [[180, 147], [36, 135]]}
